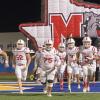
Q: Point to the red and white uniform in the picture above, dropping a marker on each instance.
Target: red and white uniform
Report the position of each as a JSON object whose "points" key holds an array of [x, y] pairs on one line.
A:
{"points": [[49, 62], [62, 56], [72, 66], [21, 61], [89, 66]]}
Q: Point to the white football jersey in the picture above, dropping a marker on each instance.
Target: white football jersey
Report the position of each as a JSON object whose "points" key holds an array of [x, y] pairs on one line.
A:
{"points": [[62, 56], [89, 52], [49, 60], [21, 55], [72, 54]]}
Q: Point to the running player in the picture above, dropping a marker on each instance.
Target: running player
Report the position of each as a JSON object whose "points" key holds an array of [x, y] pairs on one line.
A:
{"points": [[49, 62], [21, 61], [72, 65], [88, 61], [61, 69]]}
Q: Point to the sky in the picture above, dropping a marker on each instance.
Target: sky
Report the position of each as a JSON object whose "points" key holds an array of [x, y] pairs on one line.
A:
{"points": [[15, 12]]}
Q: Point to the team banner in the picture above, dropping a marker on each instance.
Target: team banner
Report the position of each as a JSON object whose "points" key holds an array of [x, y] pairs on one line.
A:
{"points": [[62, 18]]}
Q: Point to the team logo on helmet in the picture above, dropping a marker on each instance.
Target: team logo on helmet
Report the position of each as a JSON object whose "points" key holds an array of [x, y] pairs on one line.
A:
{"points": [[48, 45], [86, 38], [20, 43], [70, 42], [86, 41]]}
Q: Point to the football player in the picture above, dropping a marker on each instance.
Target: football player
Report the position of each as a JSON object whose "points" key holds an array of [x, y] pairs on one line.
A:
{"points": [[61, 69], [21, 61], [88, 61], [72, 65], [49, 61]]}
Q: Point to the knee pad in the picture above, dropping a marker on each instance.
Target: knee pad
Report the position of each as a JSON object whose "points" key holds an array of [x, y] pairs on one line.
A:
{"points": [[50, 84]]}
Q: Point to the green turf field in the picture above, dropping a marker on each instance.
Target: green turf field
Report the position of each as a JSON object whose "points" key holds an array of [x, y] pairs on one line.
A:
{"points": [[57, 96], [54, 97], [7, 78], [11, 77]]}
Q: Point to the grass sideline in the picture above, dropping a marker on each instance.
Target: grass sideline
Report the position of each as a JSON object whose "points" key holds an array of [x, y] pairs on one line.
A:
{"points": [[56, 96], [11, 77], [61, 96]]}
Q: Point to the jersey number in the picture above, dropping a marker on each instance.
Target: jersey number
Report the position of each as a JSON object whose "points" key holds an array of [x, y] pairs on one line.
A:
{"points": [[48, 59], [19, 57]]}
